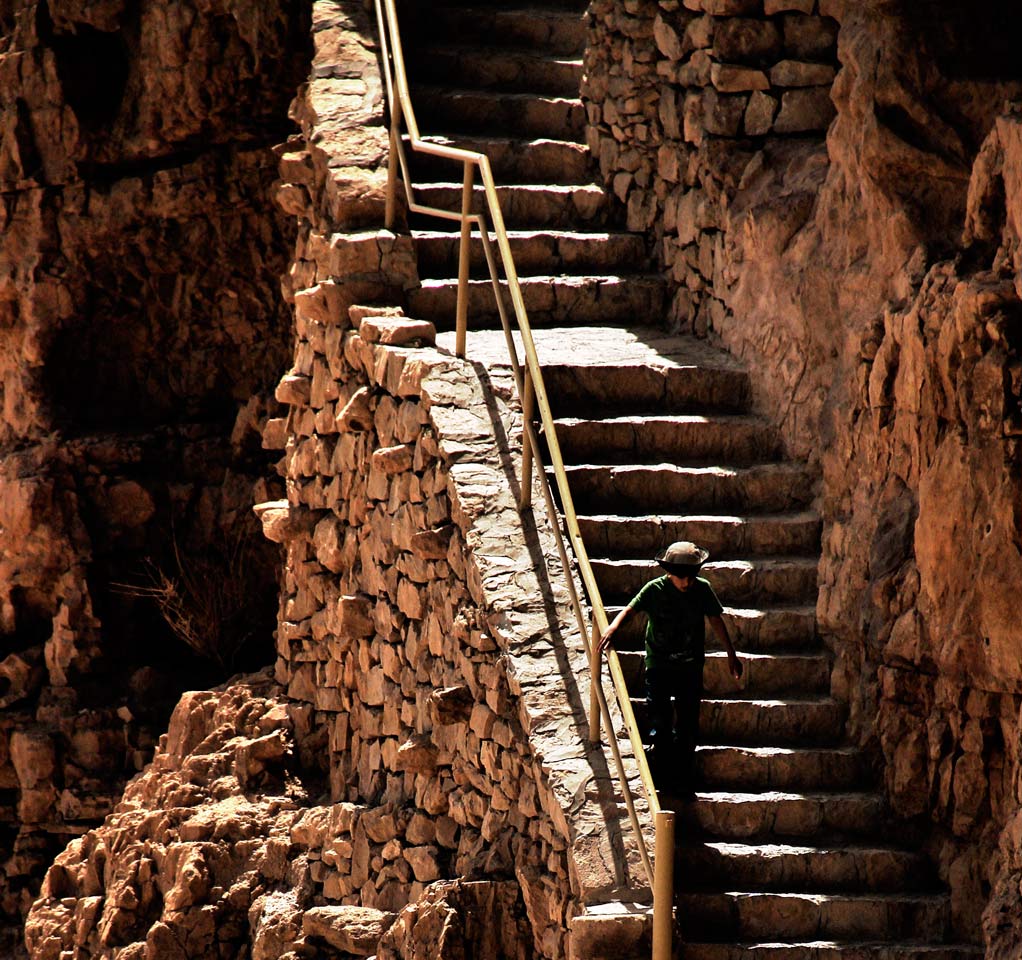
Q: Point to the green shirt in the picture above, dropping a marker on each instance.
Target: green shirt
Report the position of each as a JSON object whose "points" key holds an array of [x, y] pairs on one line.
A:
{"points": [[675, 619]]}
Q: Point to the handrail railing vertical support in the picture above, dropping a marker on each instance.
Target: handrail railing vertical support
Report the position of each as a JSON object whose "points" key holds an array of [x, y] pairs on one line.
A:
{"points": [[595, 670], [463, 260], [663, 886], [390, 213], [528, 410]]}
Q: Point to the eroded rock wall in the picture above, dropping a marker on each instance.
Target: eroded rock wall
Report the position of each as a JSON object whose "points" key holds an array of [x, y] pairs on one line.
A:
{"points": [[882, 337], [141, 333]]}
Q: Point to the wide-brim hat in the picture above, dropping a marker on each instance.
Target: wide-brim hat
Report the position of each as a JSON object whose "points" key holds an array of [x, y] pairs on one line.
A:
{"points": [[682, 555]]}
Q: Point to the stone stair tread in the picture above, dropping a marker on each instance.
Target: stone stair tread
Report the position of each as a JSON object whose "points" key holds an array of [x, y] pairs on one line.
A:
{"points": [[765, 579], [618, 536], [502, 69], [760, 722], [788, 867], [700, 487], [636, 347], [782, 767], [777, 627], [536, 250], [548, 300], [737, 915], [535, 159], [730, 437], [465, 110], [554, 28], [523, 206], [832, 950]]}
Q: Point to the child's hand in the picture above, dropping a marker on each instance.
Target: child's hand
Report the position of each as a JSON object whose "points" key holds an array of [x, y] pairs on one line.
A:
{"points": [[735, 666]]}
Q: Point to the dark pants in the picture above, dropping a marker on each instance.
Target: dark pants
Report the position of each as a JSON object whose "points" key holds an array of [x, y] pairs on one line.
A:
{"points": [[674, 727]]}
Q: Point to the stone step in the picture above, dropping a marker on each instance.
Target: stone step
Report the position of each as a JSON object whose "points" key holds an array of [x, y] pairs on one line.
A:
{"points": [[506, 69], [554, 206], [831, 950], [725, 537], [537, 160], [773, 629], [539, 6], [790, 769], [801, 674], [668, 438], [548, 300], [749, 816], [763, 722], [555, 30], [640, 370], [668, 488], [802, 916], [764, 580], [513, 114], [791, 868], [535, 251]]}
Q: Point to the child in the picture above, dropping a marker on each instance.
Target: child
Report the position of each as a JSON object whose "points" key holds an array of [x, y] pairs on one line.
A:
{"points": [[676, 607]]}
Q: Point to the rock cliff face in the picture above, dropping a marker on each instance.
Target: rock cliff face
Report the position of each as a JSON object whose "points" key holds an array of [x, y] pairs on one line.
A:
{"points": [[141, 332], [835, 189], [867, 270]]}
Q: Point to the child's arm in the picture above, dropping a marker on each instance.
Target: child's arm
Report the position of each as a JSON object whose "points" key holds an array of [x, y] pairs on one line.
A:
{"points": [[618, 620], [720, 631]]}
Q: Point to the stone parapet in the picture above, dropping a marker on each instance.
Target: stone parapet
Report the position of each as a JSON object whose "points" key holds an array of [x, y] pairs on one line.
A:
{"points": [[425, 627]]}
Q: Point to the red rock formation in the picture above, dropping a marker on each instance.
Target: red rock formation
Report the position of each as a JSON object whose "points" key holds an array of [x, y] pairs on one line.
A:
{"points": [[140, 336]]}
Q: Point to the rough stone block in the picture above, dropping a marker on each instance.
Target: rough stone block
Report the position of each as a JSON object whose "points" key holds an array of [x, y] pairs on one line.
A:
{"points": [[756, 42], [722, 113], [397, 331], [348, 928], [770, 7], [729, 78], [391, 460], [759, 115], [809, 38], [805, 110], [798, 73], [731, 8], [295, 389], [354, 617], [275, 516], [356, 414]]}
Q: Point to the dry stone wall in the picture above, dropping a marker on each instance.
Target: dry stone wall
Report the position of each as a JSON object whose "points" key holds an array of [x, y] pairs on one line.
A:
{"points": [[680, 97], [430, 651]]}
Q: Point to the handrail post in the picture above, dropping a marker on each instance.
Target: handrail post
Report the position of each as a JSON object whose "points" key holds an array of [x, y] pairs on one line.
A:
{"points": [[663, 886], [392, 164], [461, 325], [528, 408], [594, 684]]}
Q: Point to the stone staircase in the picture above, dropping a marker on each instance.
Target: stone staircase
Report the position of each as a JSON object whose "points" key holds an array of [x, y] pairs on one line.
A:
{"points": [[518, 103], [785, 854]]}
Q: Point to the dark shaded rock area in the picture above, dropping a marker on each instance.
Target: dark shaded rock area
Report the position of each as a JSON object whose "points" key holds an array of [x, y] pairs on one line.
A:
{"points": [[141, 334]]}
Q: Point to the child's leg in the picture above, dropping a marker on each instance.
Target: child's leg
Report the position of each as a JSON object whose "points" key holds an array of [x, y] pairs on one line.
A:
{"points": [[661, 715], [688, 696]]}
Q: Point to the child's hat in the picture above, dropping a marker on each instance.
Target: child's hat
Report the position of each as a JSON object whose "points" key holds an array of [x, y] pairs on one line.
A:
{"points": [[683, 554]]}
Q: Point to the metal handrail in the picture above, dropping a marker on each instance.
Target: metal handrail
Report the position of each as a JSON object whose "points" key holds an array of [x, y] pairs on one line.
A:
{"points": [[532, 391]]}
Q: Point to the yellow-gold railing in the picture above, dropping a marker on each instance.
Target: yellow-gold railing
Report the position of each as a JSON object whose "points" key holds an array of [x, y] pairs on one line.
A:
{"points": [[532, 391]]}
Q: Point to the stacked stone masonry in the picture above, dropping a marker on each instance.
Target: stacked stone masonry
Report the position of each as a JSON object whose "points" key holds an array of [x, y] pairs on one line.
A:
{"points": [[679, 97], [414, 627]]}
